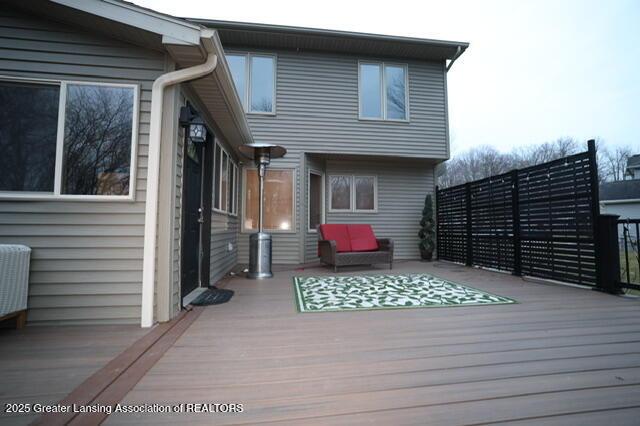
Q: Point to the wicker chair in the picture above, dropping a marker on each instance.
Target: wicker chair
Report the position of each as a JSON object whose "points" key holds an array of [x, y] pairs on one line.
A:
{"points": [[345, 245]]}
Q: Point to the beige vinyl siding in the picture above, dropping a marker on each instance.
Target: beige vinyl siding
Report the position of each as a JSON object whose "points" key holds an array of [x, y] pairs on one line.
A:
{"points": [[402, 187], [87, 256], [317, 112]]}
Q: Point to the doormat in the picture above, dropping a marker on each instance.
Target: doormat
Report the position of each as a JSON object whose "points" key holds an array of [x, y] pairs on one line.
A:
{"points": [[212, 296], [366, 292]]}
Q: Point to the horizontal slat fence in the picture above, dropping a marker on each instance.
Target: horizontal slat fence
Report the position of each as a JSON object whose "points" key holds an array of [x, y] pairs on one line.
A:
{"points": [[538, 221]]}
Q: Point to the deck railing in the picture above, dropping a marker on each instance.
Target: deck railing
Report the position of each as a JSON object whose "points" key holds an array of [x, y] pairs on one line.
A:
{"points": [[628, 247]]}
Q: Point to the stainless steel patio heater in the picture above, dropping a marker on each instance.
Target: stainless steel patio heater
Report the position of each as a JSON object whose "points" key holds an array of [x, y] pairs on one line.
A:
{"points": [[260, 242]]}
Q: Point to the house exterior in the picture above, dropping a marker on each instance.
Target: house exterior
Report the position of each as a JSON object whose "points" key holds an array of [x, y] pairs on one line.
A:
{"points": [[128, 216], [621, 198], [633, 167]]}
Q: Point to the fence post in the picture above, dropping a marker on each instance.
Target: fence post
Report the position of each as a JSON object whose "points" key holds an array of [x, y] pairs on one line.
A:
{"points": [[608, 272], [515, 211], [595, 210], [467, 195]]}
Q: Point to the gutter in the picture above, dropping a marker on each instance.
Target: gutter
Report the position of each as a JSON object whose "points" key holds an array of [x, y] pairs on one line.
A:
{"points": [[459, 51], [153, 171]]}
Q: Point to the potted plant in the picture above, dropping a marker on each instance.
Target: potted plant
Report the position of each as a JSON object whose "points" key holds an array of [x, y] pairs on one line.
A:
{"points": [[427, 232]]}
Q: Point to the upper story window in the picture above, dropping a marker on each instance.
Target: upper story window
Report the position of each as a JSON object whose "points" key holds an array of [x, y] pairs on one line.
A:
{"points": [[255, 78], [66, 139], [383, 91]]}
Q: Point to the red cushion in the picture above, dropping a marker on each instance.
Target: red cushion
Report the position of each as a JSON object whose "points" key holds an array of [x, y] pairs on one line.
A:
{"points": [[338, 233], [362, 238]]}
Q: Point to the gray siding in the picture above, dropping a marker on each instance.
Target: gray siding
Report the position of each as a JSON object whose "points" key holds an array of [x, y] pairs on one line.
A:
{"points": [[402, 187], [87, 256], [317, 112], [224, 231]]}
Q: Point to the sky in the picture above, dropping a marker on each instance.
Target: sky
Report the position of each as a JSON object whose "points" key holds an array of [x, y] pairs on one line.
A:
{"points": [[534, 71]]}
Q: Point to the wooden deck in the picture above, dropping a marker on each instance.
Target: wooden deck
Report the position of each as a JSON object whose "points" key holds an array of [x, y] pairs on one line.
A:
{"points": [[562, 355], [42, 364]]}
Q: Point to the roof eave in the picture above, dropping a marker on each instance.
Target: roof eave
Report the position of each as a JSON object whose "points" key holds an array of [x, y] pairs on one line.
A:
{"points": [[303, 31]]}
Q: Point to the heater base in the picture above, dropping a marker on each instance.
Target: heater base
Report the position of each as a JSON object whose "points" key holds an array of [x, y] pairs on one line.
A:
{"points": [[259, 256]]}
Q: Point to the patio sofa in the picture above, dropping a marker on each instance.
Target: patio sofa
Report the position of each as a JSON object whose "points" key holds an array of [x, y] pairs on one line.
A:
{"points": [[351, 244]]}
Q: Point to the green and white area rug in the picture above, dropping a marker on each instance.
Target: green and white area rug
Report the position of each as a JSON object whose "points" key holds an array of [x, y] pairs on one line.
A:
{"points": [[365, 292]]}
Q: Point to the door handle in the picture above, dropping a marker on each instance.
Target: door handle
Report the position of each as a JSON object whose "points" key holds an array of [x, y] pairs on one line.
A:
{"points": [[200, 216]]}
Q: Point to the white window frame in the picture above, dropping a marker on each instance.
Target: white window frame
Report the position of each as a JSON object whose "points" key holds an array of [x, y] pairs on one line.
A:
{"points": [[383, 97], [57, 185], [232, 167], [322, 198], [246, 102], [352, 200], [294, 174]]}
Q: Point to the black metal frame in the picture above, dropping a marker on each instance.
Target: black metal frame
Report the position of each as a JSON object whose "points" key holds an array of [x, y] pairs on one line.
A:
{"points": [[538, 221], [626, 241]]}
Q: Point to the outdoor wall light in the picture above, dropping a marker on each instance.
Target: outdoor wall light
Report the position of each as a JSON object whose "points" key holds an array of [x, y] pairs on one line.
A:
{"points": [[197, 130], [260, 242], [190, 119]]}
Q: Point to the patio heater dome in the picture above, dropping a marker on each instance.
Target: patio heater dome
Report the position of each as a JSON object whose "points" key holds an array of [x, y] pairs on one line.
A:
{"points": [[260, 242]]}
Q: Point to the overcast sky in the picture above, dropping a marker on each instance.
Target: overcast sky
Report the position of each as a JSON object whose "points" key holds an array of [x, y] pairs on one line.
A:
{"points": [[535, 70]]}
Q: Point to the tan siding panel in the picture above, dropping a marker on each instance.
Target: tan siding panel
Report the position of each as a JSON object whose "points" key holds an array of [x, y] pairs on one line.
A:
{"points": [[87, 256]]}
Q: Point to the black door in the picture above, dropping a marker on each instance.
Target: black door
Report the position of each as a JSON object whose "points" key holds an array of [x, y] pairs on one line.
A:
{"points": [[192, 217]]}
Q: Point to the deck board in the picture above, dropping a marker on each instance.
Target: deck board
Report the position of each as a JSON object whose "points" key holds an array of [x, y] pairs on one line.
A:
{"points": [[561, 355], [42, 364]]}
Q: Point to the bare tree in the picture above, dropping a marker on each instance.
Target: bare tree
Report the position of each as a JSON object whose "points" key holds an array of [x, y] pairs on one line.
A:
{"points": [[484, 161], [614, 162]]}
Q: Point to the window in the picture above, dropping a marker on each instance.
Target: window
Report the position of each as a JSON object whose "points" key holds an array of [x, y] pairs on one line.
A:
{"points": [[238, 67], [383, 91], [278, 200], [316, 200], [216, 176], [28, 135], [353, 193], [225, 176], [97, 140], [365, 192], [67, 139], [340, 187], [254, 78]]}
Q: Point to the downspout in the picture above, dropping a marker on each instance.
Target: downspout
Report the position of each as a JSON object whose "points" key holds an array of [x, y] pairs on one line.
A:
{"points": [[456, 56], [153, 172]]}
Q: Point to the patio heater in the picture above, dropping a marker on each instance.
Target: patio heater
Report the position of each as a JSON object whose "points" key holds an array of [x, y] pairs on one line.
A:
{"points": [[260, 242]]}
